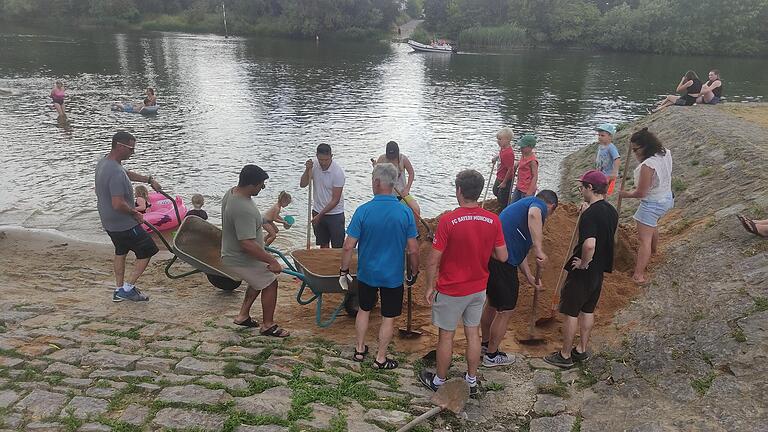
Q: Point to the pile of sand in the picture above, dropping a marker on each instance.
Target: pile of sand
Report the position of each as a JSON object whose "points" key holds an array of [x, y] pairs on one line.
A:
{"points": [[618, 289]]}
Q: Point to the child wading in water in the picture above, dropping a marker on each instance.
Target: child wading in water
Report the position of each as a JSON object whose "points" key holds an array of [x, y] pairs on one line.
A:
{"points": [[142, 199], [273, 215], [197, 203], [528, 168]]}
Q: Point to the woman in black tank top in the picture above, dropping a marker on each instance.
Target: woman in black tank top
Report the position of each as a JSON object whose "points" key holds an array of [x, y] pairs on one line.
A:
{"points": [[712, 89], [691, 84]]}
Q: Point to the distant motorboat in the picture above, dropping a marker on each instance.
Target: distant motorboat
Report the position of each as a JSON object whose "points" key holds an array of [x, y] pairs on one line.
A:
{"points": [[435, 47]]}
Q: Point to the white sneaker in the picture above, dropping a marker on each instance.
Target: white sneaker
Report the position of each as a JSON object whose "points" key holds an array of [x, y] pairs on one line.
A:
{"points": [[501, 359]]}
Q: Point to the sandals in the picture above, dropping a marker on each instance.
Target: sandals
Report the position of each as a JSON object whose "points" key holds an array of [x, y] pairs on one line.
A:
{"points": [[247, 323], [275, 331], [749, 225], [388, 364], [359, 356]]}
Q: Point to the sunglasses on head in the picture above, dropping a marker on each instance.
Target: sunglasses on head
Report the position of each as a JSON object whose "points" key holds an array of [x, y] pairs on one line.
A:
{"points": [[133, 147]]}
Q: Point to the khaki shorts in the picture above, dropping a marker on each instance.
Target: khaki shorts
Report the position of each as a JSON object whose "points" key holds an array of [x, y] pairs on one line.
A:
{"points": [[447, 310], [257, 276]]}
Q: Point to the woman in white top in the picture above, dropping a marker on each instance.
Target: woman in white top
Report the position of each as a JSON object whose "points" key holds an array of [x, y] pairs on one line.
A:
{"points": [[653, 180], [402, 188]]}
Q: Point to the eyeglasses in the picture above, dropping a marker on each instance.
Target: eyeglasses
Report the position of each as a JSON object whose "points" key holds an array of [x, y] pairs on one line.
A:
{"points": [[133, 147]]}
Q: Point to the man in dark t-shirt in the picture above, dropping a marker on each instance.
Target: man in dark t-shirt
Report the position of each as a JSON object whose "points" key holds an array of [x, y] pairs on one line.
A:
{"points": [[592, 257]]}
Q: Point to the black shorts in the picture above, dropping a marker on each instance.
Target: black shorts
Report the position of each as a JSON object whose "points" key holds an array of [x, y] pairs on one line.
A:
{"points": [[330, 229], [502, 194], [391, 299], [685, 100], [581, 292], [503, 285], [134, 239]]}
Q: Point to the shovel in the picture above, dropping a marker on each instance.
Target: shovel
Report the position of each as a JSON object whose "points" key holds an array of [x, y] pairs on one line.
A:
{"points": [[450, 396], [561, 279], [430, 235], [408, 332], [532, 339], [488, 186]]}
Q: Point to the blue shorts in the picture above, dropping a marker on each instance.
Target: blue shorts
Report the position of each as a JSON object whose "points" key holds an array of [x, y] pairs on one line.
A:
{"points": [[649, 212]]}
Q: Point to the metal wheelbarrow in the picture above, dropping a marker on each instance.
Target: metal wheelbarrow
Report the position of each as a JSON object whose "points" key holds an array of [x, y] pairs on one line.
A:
{"points": [[319, 284], [197, 243]]}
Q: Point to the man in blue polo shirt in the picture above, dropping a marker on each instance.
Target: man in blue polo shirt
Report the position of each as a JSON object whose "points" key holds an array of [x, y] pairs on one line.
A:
{"points": [[381, 228], [522, 223]]}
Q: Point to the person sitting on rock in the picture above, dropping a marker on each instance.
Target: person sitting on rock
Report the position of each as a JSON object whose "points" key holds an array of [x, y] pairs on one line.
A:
{"points": [[712, 90]]}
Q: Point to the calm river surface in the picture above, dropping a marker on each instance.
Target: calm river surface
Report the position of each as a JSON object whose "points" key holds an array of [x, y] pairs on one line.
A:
{"points": [[228, 102]]}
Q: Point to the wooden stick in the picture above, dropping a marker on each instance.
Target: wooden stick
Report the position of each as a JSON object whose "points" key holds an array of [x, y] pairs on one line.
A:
{"points": [[624, 177], [488, 186], [309, 213], [420, 419]]}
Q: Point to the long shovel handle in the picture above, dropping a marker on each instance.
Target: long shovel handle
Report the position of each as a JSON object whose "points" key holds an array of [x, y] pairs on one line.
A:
{"points": [[309, 213], [420, 419], [537, 280], [624, 176], [561, 278], [488, 185]]}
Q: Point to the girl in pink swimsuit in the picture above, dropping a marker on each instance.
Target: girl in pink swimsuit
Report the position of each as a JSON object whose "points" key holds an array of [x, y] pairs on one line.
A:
{"points": [[57, 94]]}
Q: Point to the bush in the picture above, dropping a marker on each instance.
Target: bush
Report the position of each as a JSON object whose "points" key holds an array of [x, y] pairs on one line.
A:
{"points": [[509, 35]]}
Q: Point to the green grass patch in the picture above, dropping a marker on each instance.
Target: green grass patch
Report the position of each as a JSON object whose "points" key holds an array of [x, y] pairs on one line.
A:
{"points": [[494, 386], [236, 418], [71, 423], [118, 426], [109, 341], [702, 385], [697, 315], [129, 334], [509, 35], [218, 408], [738, 335], [231, 369], [586, 377], [576, 424], [761, 304], [10, 353], [678, 185]]}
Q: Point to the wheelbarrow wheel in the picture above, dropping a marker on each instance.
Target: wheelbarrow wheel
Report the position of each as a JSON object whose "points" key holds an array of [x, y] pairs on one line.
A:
{"points": [[351, 304], [223, 283]]}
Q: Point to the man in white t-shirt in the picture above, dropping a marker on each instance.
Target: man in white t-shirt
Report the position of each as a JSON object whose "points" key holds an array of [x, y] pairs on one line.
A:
{"points": [[328, 201]]}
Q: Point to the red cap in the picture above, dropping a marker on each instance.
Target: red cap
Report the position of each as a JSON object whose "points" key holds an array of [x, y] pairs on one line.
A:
{"points": [[594, 177]]}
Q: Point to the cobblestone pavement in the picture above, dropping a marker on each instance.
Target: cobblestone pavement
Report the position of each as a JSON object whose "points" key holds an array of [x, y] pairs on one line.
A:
{"points": [[75, 370]]}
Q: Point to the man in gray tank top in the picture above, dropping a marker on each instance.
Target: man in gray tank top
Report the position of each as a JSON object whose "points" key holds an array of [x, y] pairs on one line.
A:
{"points": [[120, 218]]}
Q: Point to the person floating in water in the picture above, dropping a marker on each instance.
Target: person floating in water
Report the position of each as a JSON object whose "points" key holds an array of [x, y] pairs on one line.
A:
{"points": [[151, 99], [57, 94], [129, 107]]}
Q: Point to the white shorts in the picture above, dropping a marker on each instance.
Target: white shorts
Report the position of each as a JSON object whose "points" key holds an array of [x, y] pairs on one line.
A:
{"points": [[258, 277]]}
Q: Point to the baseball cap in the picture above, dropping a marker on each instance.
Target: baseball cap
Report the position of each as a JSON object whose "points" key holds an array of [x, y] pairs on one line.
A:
{"points": [[594, 177], [527, 140], [607, 127]]}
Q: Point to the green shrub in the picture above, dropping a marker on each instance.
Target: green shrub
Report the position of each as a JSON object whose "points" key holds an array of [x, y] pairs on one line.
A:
{"points": [[509, 35]]}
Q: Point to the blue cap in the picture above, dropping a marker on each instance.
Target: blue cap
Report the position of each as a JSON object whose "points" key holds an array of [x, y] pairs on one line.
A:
{"points": [[607, 127]]}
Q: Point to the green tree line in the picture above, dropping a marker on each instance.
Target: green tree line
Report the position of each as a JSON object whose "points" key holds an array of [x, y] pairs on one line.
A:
{"points": [[735, 27], [299, 18]]}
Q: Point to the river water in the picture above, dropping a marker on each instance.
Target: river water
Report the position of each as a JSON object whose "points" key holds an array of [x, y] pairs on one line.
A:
{"points": [[228, 102]]}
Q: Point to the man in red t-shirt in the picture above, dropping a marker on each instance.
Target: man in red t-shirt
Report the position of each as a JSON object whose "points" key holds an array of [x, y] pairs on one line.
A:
{"points": [[465, 240], [506, 172]]}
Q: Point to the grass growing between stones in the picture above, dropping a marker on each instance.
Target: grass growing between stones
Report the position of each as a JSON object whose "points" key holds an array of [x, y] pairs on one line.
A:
{"points": [[118, 426], [130, 334], [236, 418], [586, 377], [576, 424], [738, 335], [702, 385], [231, 369], [558, 389], [70, 422], [494, 386]]}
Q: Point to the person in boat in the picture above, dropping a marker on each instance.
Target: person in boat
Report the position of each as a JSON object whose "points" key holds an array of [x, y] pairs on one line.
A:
{"points": [[712, 90], [402, 189], [690, 84], [151, 99], [57, 95]]}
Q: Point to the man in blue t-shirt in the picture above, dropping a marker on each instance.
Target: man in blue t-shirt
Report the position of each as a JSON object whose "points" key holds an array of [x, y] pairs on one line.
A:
{"points": [[381, 229], [522, 223]]}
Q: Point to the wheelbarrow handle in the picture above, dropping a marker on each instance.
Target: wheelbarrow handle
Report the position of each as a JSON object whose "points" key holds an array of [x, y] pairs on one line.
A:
{"points": [[294, 274]]}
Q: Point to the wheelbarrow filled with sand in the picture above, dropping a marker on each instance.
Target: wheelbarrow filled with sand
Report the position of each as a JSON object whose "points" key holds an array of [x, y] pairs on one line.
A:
{"points": [[318, 271]]}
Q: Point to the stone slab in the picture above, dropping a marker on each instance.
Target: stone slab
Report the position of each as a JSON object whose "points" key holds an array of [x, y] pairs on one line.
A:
{"points": [[275, 401], [176, 418], [193, 394], [65, 369], [135, 415], [85, 407], [110, 360], [193, 366], [8, 397], [41, 404], [561, 423]]}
